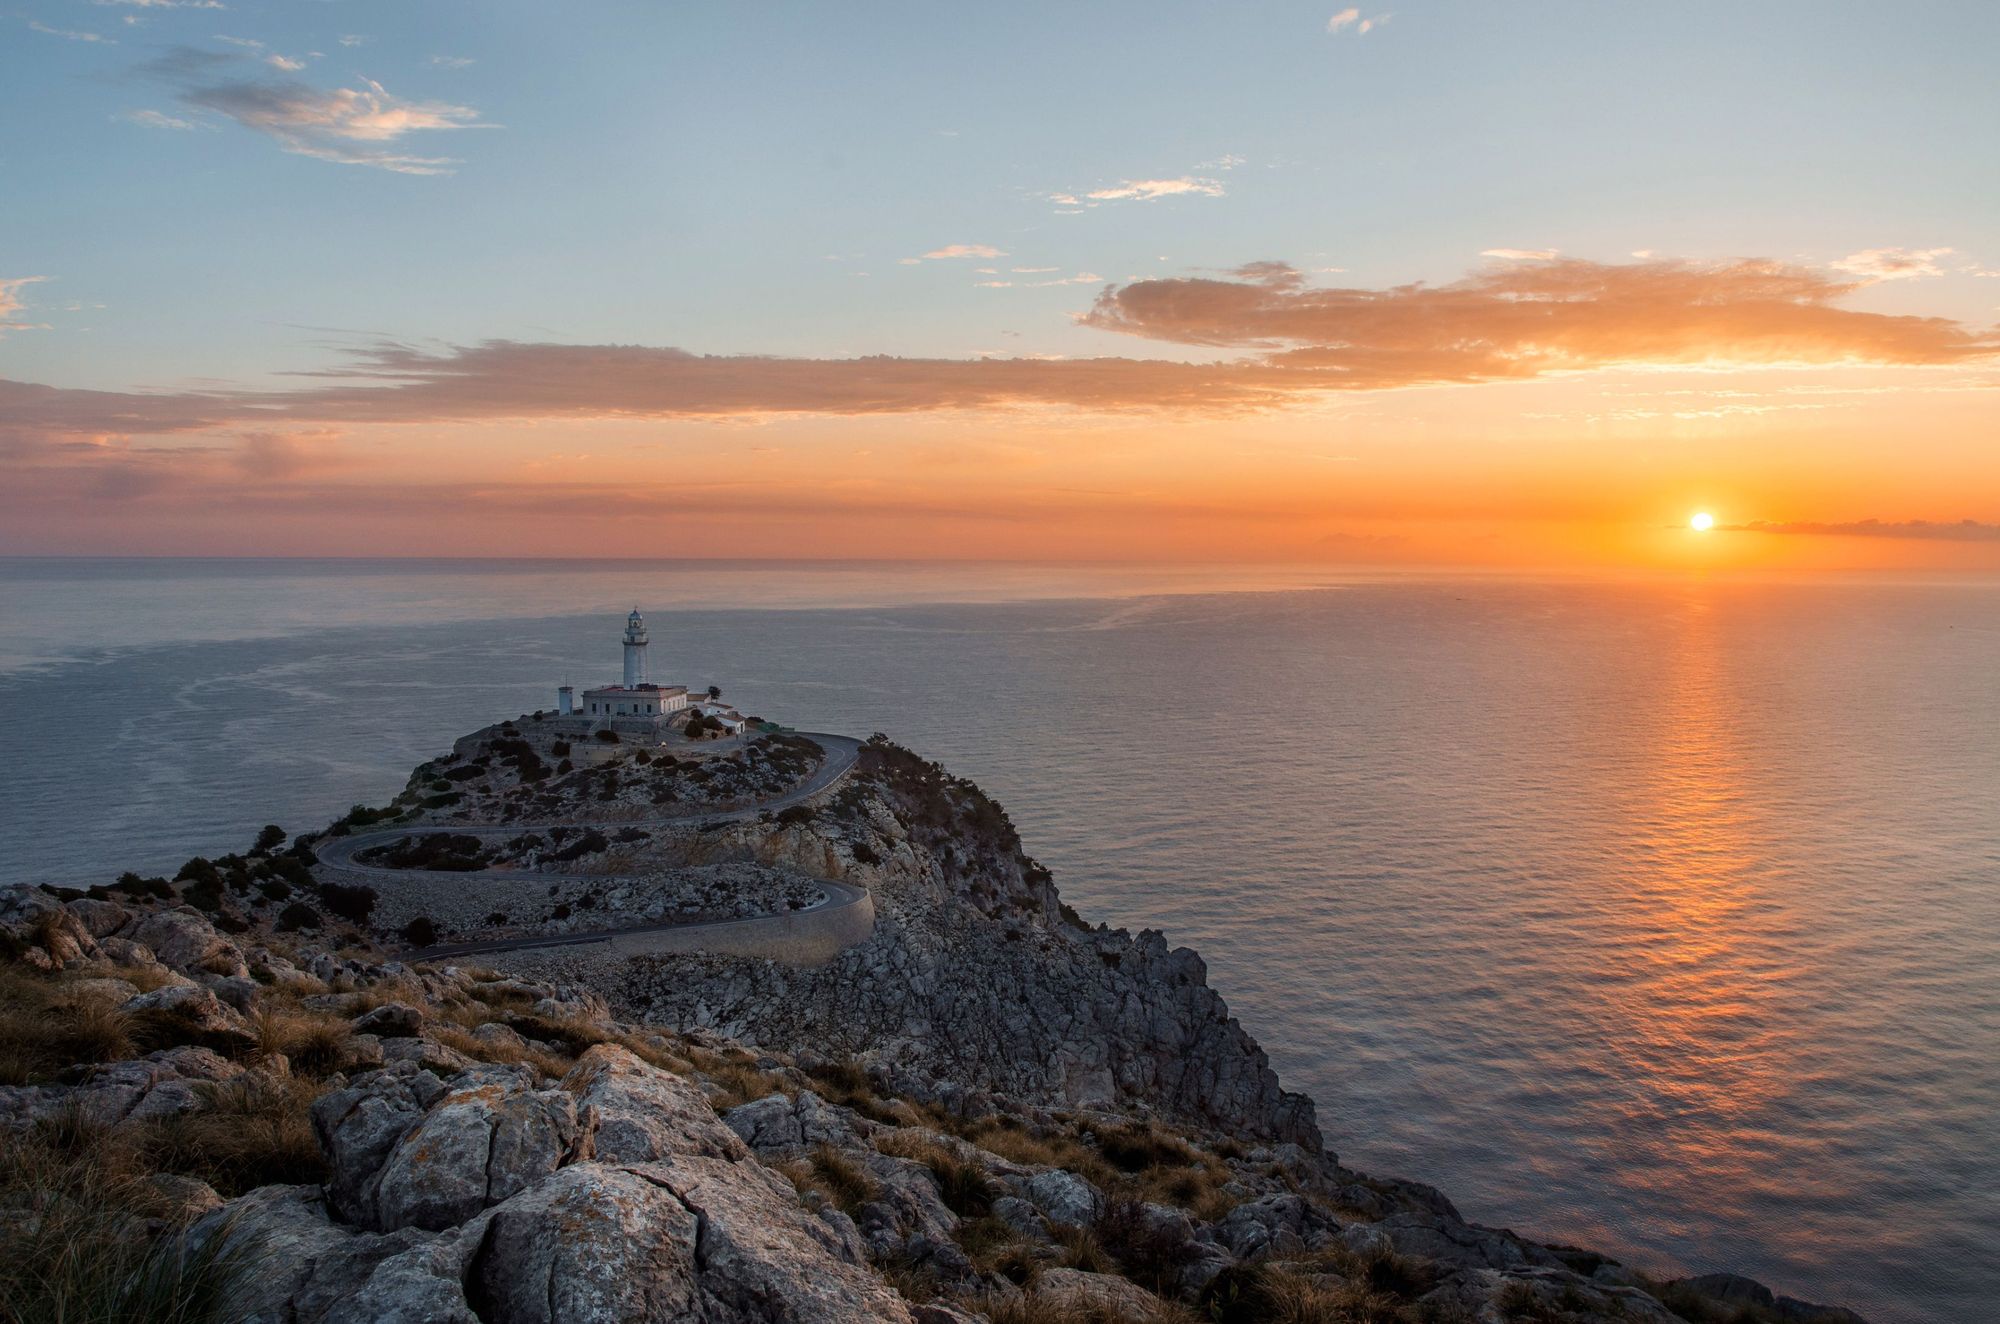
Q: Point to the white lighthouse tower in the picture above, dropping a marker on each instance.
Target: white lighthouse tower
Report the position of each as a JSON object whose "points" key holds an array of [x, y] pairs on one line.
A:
{"points": [[632, 697], [635, 650]]}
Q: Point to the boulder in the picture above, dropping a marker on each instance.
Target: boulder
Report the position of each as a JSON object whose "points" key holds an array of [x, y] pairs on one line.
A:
{"points": [[159, 1085], [393, 1020], [100, 918], [689, 1238], [1284, 1225], [306, 1263], [487, 1140], [360, 1125], [639, 1112], [780, 1127], [1065, 1197], [192, 1009], [182, 940]]}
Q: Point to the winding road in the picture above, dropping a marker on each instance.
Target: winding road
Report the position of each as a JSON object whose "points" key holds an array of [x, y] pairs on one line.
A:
{"points": [[841, 755]]}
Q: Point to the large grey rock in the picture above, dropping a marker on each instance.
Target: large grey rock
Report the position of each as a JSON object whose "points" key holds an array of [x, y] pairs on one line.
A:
{"points": [[779, 1127], [490, 1138], [100, 918], [182, 940], [691, 1238], [1435, 1237], [1065, 1197], [1282, 1224], [639, 1112], [305, 1263], [972, 976], [360, 1125], [160, 1085]]}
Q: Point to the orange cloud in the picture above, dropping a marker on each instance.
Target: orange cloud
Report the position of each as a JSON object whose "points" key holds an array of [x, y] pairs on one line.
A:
{"points": [[1530, 318], [1509, 323]]}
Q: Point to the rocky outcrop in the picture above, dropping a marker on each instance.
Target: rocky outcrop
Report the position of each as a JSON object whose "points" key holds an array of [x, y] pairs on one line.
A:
{"points": [[486, 1196], [974, 975]]}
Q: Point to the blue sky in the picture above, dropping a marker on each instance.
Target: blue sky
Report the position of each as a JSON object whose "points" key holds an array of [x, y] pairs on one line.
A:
{"points": [[719, 176]]}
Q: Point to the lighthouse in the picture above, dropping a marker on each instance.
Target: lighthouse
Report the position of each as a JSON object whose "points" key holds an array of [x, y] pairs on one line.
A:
{"points": [[633, 697], [635, 650]]}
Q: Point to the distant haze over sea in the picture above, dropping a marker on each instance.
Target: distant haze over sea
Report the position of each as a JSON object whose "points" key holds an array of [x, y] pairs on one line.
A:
{"points": [[1657, 916]]}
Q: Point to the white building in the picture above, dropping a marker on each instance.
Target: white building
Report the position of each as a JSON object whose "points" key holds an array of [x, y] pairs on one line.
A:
{"points": [[634, 696]]}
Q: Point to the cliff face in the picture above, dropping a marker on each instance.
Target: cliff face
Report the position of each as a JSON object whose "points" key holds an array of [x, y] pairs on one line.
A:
{"points": [[976, 974]]}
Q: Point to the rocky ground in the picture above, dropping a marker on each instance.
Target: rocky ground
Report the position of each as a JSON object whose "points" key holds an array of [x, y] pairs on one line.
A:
{"points": [[987, 1110], [473, 907], [507, 772]]}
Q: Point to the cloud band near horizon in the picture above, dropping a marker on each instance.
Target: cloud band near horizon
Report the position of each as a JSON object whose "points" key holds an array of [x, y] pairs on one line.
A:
{"points": [[1294, 340]]}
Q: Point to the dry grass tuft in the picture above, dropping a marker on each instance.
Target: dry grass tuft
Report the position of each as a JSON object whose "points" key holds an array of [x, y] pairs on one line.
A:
{"points": [[833, 1175], [315, 1044], [255, 1130], [79, 1240], [44, 1028]]}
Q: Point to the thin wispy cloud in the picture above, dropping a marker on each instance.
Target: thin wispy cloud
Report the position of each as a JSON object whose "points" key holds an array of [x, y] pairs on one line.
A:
{"points": [[69, 34], [348, 125], [1967, 530], [352, 39], [12, 304], [284, 63], [164, 4], [156, 119], [1350, 20], [452, 61], [1876, 265], [950, 251], [1523, 254], [1151, 190]]}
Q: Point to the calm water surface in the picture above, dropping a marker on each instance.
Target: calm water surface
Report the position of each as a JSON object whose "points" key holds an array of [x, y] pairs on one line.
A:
{"points": [[1659, 918]]}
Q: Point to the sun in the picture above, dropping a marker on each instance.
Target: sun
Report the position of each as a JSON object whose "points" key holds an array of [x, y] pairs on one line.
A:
{"points": [[1702, 521]]}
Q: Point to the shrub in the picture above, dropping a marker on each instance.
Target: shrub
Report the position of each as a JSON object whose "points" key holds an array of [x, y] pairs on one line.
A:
{"points": [[268, 840], [420, 932], [298, 915], [353, 904], [156, 888], [793, 814], [608, 736], [560, 749]]}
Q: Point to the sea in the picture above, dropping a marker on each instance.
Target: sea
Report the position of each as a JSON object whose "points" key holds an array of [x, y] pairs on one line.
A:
{"points": [[1655, 916]]}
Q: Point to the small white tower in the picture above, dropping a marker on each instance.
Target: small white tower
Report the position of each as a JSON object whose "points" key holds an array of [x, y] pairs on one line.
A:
{"points": [[566, 699], [635, 650]]}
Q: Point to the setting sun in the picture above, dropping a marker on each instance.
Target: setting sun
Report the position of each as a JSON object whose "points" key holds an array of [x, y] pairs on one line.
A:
{"points": [[1702, 522]]}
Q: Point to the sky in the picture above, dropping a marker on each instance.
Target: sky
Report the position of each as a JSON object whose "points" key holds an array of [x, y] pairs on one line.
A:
{"points": [[1515, 286]]}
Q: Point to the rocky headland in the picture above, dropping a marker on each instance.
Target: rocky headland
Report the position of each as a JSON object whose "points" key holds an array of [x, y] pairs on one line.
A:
{"points": [[278, 1088]]}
